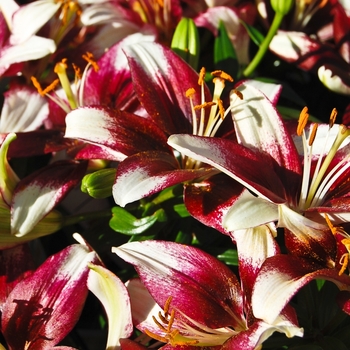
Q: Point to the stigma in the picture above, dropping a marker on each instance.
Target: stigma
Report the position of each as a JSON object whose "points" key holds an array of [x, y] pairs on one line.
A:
{"points": [[318, 175], [177, 329]]}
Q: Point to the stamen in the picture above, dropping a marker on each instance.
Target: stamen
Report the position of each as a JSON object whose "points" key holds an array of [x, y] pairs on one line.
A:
{"points": [[89, 57], [190, 92], [303, 118], [313, 134], [49, 88], [167, 305], [344, 260], [221, 74], [221, 109], [201, 76], [77, 71], [237, 93], [155, 336], [204, 105], [332, 117]]}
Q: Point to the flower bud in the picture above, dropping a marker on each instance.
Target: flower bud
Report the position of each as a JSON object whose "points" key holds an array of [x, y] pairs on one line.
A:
{"points": [[282, 6], [186, 42], [99, 184]]}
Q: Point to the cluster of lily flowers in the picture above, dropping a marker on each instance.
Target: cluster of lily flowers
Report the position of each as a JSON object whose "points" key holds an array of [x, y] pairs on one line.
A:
{"points": [[115, 97]]}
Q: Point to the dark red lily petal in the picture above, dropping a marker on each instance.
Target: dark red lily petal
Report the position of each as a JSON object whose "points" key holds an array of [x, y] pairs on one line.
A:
{"points": [[209, 200], [281, 277], [199, 284], [15, 264], [322, 251], [42, 309], [161, 79], [146, 173], [120, 133], [37, 194], [36, 143]]}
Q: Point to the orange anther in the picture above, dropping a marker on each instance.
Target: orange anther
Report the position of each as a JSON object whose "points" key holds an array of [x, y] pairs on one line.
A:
{"points": [[49, 88], [303, 118], [332, 117], [89, 57], [204, 105], [190, 92], [221, 74], [313, 134], [201, 76]]}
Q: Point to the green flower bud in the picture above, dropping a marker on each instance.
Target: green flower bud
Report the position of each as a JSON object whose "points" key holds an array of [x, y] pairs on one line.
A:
{"points": [[186, 42], [282, 6], [99, 184]]}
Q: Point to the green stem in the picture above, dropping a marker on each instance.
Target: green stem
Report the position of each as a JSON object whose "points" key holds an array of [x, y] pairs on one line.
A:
{"points": [[264, 45], [75, 219]]}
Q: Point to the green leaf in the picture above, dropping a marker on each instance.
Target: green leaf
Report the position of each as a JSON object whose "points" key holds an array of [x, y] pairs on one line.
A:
{"points": [[225, 57], [254, 34], [124, 222], [181, 210], [229, 257]]}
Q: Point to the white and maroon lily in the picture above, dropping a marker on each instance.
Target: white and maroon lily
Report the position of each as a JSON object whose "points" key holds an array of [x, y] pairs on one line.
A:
{"points": [[43, 307], [324, 51], [188, 298], [148, 163], [27, 205], [279, 186]]}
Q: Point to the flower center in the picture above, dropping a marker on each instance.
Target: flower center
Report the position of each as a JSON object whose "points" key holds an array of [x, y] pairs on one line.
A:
{"points": [[315, 188], [177, 332], [208, 126], [75, 98]]}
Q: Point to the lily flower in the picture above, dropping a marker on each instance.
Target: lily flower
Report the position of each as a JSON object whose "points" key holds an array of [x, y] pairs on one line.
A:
{"points": [[327, 54], [201, 303], [44, 307], [280, 187], [169, 110], [27, 205]]}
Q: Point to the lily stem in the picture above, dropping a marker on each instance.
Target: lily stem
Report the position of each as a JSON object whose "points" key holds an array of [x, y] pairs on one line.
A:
{"points": [[264, 45]]}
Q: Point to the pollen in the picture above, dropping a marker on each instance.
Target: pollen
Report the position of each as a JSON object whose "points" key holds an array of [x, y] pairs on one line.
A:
{"points": [[77, 71], [333, 117], [45, 91], [201, 76], [204, 105], [303, 118], [238, 94], [190, 92], [89, 58], [313, 134], [221, 74]]}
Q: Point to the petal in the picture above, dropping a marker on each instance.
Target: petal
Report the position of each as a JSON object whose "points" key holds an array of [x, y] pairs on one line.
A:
{"points": [[209, 200], [167, 78], [23, 25], [15, 264], [146, 173], [23, 110], [44, 307], [143, 307], [112, 293], [252, 169], [111, 85], [259, 240], [120, 133], [335, 79], [37, 194], [199, 284], [32, 49], [281, 277], [249, 211], [259, 126]]}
